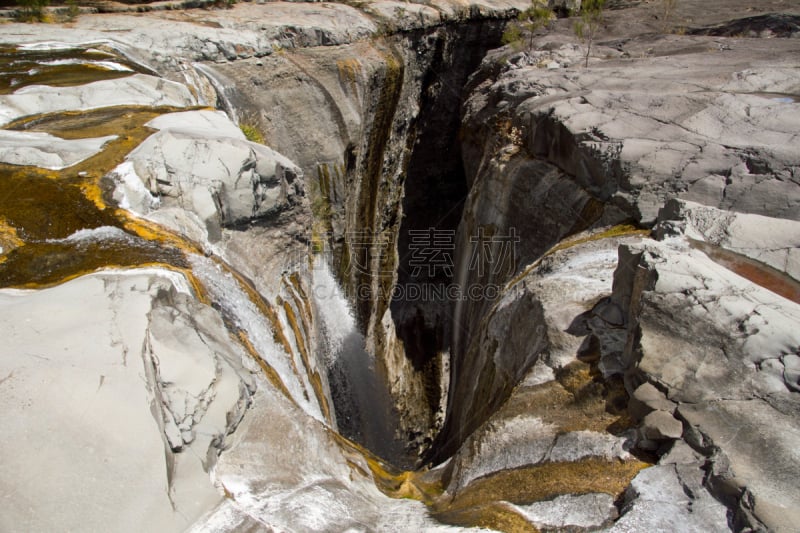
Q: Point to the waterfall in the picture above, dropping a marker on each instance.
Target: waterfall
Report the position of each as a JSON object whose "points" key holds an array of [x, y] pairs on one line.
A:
{"points": [[222, 88], [364, 411], [336, 316]]}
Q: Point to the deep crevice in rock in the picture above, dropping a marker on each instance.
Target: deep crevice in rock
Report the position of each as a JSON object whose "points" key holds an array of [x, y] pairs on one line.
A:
{"points": [[434, 193]]}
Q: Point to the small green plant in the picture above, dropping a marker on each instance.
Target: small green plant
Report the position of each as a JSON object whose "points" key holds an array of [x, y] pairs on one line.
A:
{"points": [[538, 15], [251, 132], [32, 10], [513, 35], [72, 10], [587, 26]]}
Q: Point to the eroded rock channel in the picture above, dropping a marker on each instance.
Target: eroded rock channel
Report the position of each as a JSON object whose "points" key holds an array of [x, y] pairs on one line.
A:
{"points": [[295, 267]]}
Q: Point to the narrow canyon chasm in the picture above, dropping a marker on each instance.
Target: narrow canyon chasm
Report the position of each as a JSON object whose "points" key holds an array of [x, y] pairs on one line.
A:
{"points": [[384, 266]]}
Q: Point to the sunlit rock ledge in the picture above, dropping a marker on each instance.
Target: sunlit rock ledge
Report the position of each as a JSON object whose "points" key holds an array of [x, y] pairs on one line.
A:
{"points": [[255, 29]]}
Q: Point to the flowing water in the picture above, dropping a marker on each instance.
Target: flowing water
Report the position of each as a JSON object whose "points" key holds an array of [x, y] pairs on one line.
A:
{"points": [[364, 412], [64, 67], [239, 308]]}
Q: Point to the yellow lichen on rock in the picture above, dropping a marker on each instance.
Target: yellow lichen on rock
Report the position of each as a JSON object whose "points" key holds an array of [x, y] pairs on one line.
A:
{"points": [[8, 239], [349, 70]]}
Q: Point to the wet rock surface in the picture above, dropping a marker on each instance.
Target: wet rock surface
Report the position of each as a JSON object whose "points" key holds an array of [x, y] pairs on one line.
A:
{"points": [[138, 89], [47, 151]]}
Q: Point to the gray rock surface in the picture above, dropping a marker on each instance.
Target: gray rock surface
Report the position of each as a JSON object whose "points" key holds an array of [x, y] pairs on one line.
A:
{"points": [[661, 425], [132, 399], [549, 420], [722, 348], [670, 498], [584, 511], [46, 151], [646, 399], [636, 131], [138, 89], [173, 39], [710, 357], [550, 152], [771, 241]]}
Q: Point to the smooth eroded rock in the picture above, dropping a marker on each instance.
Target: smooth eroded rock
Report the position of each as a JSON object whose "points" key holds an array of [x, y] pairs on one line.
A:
{"points": [[47, 151], [139, 89], [200, 162], [118, 390]]}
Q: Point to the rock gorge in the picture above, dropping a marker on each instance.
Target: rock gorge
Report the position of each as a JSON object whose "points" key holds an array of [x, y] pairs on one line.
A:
{"points": [[222, 309]]}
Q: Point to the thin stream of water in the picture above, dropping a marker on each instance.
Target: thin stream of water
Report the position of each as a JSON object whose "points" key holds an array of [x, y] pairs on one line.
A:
{"points": [[364, 411]]}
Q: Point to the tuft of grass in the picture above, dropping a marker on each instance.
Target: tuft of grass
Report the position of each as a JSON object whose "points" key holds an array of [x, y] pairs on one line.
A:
{"points": [[588, 25], [667, 14], [538, 15], [513, 36], [33, 10], [349, 70], [251, 132]]}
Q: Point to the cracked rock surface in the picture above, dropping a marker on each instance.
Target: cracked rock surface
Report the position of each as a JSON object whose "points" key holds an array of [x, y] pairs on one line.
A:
{"points": [[684, 118], [719, 350]]}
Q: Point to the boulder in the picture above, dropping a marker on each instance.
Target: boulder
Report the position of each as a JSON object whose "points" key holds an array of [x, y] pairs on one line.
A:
{"points": [[661, 425], [200, 123], [647, 398], [723, 348], [200, 162], [670, 498]]}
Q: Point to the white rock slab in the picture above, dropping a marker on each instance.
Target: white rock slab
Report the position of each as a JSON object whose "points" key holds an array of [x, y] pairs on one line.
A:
{"points": [[47, 151], [92, 374], [584, 510], [139, 89], [204, 123]]}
